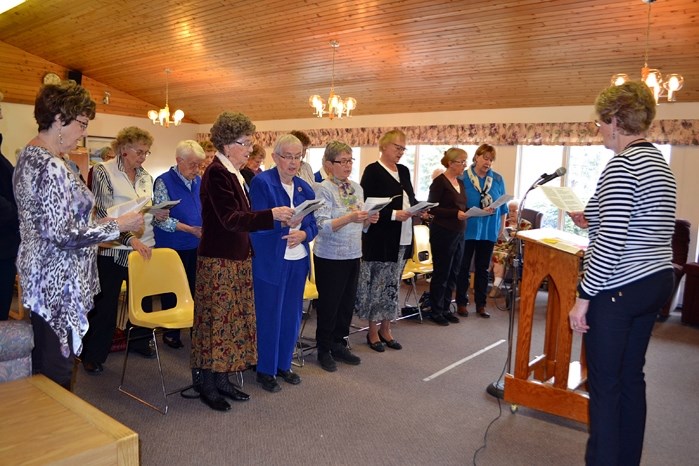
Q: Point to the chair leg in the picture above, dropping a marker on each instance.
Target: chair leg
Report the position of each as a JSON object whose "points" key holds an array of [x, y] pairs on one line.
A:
{"points": [[160, 371]]}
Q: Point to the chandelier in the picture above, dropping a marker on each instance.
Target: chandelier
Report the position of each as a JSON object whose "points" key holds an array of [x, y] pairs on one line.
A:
{"points": [[336, 106], [162, 116], [666, 87]]}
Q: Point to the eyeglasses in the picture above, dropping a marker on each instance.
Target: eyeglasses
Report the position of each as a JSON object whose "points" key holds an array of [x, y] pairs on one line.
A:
{"points": [[83, 124], [296, 158], [460, 162], [344, 163], [140, 153], [244, 144], [399, 147]]}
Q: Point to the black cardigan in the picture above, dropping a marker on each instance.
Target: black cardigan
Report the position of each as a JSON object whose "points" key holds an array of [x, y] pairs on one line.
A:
{"points": [[380, 243], [9, 222]]}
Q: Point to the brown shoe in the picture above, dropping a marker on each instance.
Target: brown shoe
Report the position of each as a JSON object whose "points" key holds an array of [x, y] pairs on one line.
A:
{"points": [[481, 313], [462, 310]]}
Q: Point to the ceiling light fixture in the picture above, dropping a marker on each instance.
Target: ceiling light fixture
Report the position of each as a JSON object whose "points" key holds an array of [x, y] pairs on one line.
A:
{"points": [[336, 106], [651, 76], [163, 115]]}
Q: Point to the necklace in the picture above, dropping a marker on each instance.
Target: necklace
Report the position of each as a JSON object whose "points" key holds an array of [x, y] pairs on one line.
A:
{"points": [[633, 142]]}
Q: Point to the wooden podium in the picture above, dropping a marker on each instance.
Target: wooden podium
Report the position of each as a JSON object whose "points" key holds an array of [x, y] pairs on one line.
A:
{"points": [[549, 382]]}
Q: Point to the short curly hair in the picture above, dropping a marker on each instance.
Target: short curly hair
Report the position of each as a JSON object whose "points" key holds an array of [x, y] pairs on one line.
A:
{"points": [[632, 104], [228, 127], [206, 145], [303, 137], [131, 135], [68, 100]]}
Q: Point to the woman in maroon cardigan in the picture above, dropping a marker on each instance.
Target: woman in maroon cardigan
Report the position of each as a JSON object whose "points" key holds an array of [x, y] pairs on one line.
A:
{"points": [[446, 233], [224, 332]]}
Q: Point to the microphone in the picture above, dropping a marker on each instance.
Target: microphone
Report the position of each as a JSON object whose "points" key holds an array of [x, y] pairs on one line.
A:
{"points": [[546, 178]]}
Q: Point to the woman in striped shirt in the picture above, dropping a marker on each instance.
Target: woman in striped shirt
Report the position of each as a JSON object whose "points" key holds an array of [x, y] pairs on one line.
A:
{"points": [[627, 272]]}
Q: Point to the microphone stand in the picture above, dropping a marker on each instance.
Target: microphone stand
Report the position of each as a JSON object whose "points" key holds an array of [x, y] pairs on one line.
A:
{"points": [[497, 388]]}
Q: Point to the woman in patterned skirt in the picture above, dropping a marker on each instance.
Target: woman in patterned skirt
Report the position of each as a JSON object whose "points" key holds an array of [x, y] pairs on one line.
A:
{"points": [[387, 244], [224, 332]]}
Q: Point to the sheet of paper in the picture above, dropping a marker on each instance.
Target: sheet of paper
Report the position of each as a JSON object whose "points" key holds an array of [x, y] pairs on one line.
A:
{"points": [[306, 207], [134, 205], [163, 205], [501, 200], [477, 212], [564, 198], [423, 205], [374, 204]]}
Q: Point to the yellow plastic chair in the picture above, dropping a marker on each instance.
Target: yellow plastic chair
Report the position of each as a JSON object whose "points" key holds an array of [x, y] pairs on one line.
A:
{"points": [[163, 273], [420, 264], [310, 294]]}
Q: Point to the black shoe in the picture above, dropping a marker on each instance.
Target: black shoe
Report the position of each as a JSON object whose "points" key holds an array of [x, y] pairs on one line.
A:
{"points": [[326, 361], [289, 376], [393, 344], [451, 317], [234, 394], [439, 320], [341, 353], [93, 368], [481, 313], [147, 351], [376, 346], [268, 382], [172, 342], [215, 402]]}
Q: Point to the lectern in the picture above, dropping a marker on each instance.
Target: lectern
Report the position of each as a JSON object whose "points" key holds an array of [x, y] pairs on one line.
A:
{"points": [[549, 382]]}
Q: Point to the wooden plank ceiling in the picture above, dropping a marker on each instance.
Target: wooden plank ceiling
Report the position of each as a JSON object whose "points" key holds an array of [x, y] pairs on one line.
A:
{"points": [[265, 58]]}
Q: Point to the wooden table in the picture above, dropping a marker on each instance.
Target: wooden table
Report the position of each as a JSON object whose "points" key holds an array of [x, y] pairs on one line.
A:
{"points": [[42, 423]]}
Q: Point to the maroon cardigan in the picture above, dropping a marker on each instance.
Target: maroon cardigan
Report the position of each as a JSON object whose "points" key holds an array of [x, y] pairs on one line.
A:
{"points": [[226, 215]]}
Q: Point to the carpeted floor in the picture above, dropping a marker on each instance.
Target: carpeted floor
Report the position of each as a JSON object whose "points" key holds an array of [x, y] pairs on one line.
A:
{"points": [[383, 412]]}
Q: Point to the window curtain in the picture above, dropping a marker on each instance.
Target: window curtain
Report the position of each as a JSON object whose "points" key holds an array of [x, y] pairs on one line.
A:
{"points": [[674, 132]]}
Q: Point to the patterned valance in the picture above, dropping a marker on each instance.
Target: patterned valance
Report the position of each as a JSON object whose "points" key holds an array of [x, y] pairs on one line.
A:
{"points": [[674, 132]]}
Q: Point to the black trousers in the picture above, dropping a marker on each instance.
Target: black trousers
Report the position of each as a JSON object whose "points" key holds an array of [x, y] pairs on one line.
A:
{"points": [[102, 317], [336, 281], [482, 250], [7, 285], [47, 358], [621, 322], [447, 248]]}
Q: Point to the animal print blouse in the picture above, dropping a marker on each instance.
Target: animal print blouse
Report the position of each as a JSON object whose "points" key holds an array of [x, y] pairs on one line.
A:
{"points": [[57, 256]]}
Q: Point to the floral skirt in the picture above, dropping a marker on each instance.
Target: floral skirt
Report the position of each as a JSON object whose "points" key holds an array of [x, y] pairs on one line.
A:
{"points": [[377, 292], [224, 337]]}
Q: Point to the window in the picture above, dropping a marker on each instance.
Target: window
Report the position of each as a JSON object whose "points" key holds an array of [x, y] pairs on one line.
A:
{"points": [[583, 165], [427, 159]]}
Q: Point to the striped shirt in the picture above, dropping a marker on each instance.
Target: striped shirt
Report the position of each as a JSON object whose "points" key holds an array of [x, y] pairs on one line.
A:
{"points": [[631, 220]]}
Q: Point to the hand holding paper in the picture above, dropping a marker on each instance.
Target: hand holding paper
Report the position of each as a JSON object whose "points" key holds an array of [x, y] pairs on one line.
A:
{"points": [[305, 208]]}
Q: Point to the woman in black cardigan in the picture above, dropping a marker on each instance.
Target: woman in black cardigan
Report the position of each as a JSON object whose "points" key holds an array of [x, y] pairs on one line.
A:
{"points": [[388, 243], [447, 233]]}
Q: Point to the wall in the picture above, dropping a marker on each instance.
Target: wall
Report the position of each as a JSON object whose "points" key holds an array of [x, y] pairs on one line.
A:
{"points": [[18, 127]]}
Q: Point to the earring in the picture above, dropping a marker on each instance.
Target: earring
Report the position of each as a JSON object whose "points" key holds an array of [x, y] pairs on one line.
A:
{"points": [[60, 137]]}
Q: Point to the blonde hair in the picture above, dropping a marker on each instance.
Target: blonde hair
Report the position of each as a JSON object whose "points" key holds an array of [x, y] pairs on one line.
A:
{"points": [[451, 154]]}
